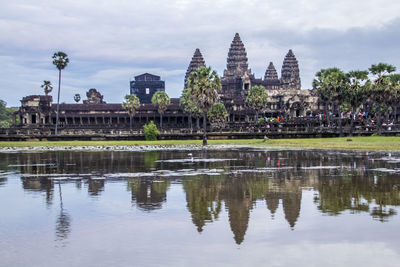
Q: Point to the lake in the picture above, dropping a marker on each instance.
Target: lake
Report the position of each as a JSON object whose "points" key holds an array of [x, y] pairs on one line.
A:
{"points": [[215, 207]]}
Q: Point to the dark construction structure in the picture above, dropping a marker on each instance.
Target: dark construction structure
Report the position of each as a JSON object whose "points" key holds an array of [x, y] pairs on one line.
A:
{"points": [[94, 116], [145, 86]]}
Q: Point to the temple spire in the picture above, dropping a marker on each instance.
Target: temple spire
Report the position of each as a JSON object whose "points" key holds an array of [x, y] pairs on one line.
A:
{"points": [[237, 58], [196, 62], [290, 77], [270, 73]]}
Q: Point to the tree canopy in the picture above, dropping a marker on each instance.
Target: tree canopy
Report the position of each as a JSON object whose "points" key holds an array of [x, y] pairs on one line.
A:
{"points": [[47, 87], [257, 98], [217, 115], [131, 104], [162, 100]]}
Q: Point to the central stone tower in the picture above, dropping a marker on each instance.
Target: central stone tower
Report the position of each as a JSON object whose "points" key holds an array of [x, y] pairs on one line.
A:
{"points": [[237, 76]]}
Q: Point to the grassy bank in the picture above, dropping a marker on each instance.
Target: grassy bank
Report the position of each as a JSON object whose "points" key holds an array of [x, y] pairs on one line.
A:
{"points": [[357, 143]]}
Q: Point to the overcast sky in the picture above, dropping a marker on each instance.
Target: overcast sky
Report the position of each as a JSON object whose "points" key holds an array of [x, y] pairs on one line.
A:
{"points": [[109, 42]]}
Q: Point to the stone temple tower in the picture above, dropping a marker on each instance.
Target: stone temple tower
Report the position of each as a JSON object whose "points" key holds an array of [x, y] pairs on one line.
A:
{"points": [[271, 80], [290, 77], [196, 62], [237, 58], [237, 77], [270, 73]]}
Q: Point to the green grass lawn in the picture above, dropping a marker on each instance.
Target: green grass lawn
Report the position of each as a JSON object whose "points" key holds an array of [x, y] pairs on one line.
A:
{"points": [[357, 143]]}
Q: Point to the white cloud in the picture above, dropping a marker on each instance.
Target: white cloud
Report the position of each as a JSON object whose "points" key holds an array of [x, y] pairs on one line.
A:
{"points": [[162, 35]]}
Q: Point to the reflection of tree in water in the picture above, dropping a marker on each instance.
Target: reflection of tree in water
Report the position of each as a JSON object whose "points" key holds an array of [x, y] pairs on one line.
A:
{"points": [[3, 181], [358, 194], [149, 194], [63, 222], [95, 186], [150, 158]]}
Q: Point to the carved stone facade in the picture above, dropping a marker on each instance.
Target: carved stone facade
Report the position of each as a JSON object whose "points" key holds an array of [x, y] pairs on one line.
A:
{"points": [[284, 93], [285, 96], [94, 97]]}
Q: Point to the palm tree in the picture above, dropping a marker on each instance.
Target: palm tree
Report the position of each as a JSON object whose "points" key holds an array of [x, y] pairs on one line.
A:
{"points": [[324, 92], [47, 86], [204, 85], [357, 92], [395, 79], [60, 60], [382, 90], [131, 104], [162, 100], [331, 84], [77, 98], [189, 107], [257, 99]]}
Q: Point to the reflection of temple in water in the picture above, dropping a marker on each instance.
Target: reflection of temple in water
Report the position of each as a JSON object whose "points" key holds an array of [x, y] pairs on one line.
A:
{"points": [[349, 186]]}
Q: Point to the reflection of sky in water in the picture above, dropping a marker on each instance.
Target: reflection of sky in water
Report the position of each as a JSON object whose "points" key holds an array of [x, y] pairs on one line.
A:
{"points": [[265, 208]]}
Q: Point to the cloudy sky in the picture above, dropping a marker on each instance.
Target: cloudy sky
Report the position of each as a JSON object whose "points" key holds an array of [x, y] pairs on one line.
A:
{"points": [[109, 42]]}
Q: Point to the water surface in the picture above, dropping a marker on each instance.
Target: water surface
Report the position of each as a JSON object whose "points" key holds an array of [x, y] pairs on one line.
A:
{"points": [[234, 207]]}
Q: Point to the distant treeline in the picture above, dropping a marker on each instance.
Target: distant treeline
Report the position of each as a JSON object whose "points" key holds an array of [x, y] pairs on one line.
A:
{"points": [[6, 119]]}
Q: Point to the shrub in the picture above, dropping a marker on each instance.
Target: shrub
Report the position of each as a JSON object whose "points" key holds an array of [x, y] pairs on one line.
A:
{"points": [[150, 131], [261, 120]]}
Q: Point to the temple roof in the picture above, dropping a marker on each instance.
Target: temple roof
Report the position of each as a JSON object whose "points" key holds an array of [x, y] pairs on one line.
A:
{"points": [[270, 73], [237, 58], [196, 62], [290, 71]]}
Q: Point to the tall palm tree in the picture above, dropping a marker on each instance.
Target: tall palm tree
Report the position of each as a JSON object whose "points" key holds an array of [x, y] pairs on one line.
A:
{"points": [[162, 100], [189, 107], [382, 90], [331, 84], [60, 60], [47, 87], [131, 104], [357, 92], [324, 91], [204, 85]]}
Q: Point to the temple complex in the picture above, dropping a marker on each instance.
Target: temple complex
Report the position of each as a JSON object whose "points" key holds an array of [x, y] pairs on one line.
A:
{"points": [[285, 98]]}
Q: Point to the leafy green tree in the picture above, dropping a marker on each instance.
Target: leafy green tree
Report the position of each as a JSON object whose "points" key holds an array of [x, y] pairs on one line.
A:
{"points": [[257, 99], [204, 85], [330, 85], [189, 107], [357, 92], [131, 104], [4, 115], [150, 131], [217, 115], [395, 80], [161, 100], [77, 98], [60, 60], [324, 91], [383, 91], [47, 87]]}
